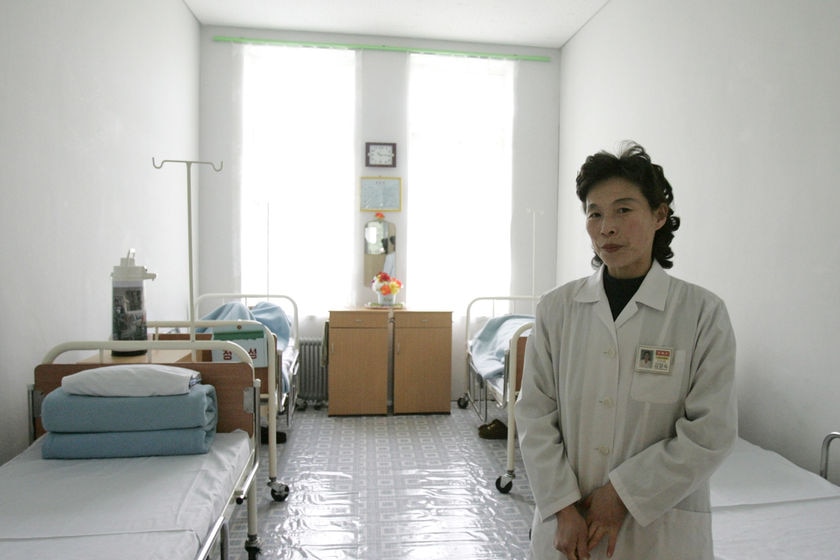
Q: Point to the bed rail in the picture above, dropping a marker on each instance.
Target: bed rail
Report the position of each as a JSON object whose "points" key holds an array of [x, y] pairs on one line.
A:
{"points": [[136, 345], [279, 490], [494, 299], [477, 393], [239, 324], [479, 390], [824, 453], [233, 296]]}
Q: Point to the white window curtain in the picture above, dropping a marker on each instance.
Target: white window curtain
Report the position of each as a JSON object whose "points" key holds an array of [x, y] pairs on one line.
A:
{"points": [[298, 185], [460, 191]]}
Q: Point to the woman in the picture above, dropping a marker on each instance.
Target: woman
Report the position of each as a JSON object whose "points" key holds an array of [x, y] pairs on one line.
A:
{"points": [[619, 451]]}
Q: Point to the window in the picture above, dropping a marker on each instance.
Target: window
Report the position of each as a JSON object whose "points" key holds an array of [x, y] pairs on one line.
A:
{"points": [[298, 182], [459, 201]]}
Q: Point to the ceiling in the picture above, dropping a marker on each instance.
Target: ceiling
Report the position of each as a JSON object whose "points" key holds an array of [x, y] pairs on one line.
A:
{"points": [[534, 23]]}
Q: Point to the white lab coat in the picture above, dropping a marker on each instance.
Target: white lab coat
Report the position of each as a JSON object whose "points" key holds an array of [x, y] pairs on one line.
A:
{"points": [[586, 416]]}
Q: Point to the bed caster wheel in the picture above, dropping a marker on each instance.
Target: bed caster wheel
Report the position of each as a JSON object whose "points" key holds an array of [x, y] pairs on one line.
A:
{"points": [[502, 486], [463, 402], [252, 545], [279, 492]]}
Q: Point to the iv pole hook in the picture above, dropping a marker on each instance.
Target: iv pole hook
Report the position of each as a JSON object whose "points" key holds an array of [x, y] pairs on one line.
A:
{"points": [[189, 164]]}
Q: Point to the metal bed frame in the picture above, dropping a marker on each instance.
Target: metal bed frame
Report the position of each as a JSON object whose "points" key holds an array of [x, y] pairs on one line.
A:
{"points": [[245, 487], [279, 491], [479, 390]]}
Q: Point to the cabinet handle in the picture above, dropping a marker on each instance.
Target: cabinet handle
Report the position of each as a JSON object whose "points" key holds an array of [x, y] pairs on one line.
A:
{"points": [[398, 348]]}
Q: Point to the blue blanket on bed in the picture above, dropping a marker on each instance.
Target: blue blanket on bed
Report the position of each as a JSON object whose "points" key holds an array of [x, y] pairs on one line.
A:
{"points": [[488, 347], [269, 314], [64, 412], [107, 445]]}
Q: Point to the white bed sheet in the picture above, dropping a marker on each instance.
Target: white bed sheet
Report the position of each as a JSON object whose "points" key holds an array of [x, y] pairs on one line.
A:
{"points": [[147, 507], [764, 506]]}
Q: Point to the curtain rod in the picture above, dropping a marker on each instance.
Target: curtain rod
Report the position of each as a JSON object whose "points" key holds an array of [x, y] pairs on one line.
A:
{"points": [[364, 47]]}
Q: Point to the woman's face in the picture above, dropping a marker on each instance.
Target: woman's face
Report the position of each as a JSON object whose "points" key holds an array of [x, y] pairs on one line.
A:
{"points": [[622, 225]]}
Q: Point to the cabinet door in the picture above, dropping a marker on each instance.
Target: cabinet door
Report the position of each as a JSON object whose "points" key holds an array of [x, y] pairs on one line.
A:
{"points": [[422, 369], [358, 371]]}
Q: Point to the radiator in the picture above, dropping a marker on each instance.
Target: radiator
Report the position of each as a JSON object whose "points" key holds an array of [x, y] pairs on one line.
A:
{"points": [[312, 376]]}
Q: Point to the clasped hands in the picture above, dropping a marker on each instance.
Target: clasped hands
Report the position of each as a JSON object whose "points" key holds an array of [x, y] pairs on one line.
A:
{"points": [[581, 526]]}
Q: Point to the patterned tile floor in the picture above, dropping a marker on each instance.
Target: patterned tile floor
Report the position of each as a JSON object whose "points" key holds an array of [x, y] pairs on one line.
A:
{"points": [[388, 488]]}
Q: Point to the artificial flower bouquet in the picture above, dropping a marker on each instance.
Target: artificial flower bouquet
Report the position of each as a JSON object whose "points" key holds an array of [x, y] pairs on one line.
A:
{"points": [[385, 284]]}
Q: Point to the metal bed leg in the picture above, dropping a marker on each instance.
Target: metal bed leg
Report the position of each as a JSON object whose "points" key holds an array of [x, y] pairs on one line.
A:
{"points": [[504, 483], [224, 542], [272, 420], [252, 544]]}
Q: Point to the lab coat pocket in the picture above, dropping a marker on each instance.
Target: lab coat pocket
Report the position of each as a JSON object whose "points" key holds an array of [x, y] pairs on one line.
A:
{"points": [[659, 388]]}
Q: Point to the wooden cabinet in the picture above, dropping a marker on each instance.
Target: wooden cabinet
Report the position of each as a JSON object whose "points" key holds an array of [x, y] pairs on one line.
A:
{"points": [[422, 361], [388, 357], [359, 344]]}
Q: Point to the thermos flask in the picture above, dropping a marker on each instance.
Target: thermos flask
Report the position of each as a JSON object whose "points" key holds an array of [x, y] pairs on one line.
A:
{"points": [[129, 312]]}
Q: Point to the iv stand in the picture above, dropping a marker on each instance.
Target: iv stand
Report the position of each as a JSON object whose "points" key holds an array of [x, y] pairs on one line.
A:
{"points": [[189, 164], [533, 213]]}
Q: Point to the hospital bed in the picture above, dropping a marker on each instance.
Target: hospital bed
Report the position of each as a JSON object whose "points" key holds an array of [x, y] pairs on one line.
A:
{"points": [[764, 506], [279, 333], [495, 353], [287, 350], [168, 506]]}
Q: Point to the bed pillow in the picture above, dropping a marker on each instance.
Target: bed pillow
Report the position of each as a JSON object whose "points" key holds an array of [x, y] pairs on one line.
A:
{"points": [[131, 380]]}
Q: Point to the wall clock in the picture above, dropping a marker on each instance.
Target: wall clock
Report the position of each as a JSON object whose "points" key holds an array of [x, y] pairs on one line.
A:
{"points": [[380, 154]]}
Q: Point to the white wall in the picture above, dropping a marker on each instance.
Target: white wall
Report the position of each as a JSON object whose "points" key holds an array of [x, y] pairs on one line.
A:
{"points": [[738, 102], [91, 91], [382, 115]]}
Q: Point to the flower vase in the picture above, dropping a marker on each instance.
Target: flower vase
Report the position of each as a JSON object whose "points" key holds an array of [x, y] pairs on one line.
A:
{"points": [[386, 300]]}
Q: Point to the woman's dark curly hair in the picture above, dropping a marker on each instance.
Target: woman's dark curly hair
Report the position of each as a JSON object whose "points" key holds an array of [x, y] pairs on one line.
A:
{"points": [[634, 165]]}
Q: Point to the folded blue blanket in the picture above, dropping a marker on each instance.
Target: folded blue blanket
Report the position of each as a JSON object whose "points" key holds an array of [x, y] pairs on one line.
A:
{"points": [[63, 412], [488, 347], [189, 441]]}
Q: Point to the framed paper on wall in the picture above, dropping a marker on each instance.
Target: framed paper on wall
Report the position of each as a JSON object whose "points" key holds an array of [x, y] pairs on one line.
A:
{"points": [[381, 194]]}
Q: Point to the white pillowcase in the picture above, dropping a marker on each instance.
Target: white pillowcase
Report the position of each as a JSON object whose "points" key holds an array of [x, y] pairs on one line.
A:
{"points": [[131, 380]]}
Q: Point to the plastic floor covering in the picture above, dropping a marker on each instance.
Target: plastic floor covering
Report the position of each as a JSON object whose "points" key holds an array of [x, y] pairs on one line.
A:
{"points": [[388, 488]]}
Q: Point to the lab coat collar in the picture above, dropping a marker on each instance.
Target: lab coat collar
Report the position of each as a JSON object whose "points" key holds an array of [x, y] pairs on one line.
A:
{"points": [[653, 292]]}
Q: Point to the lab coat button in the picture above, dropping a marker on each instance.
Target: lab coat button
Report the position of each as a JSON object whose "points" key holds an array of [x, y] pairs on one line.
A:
{"points": [[608, 402], [604, 450], [610, 352]]}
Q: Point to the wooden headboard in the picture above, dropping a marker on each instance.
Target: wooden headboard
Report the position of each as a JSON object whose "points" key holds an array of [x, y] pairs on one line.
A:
{"points": [[230, 379]]}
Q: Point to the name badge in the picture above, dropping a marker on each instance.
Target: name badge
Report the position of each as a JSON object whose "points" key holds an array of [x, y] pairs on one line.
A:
{"points": [[650, 359]]}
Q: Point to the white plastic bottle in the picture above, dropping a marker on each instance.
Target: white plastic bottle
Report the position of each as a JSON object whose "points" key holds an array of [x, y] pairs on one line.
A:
{"points": [[129, 312]]}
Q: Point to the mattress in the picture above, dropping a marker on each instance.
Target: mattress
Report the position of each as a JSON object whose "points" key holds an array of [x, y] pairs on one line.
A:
{"points": [[143, 508], [764, 506]]}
